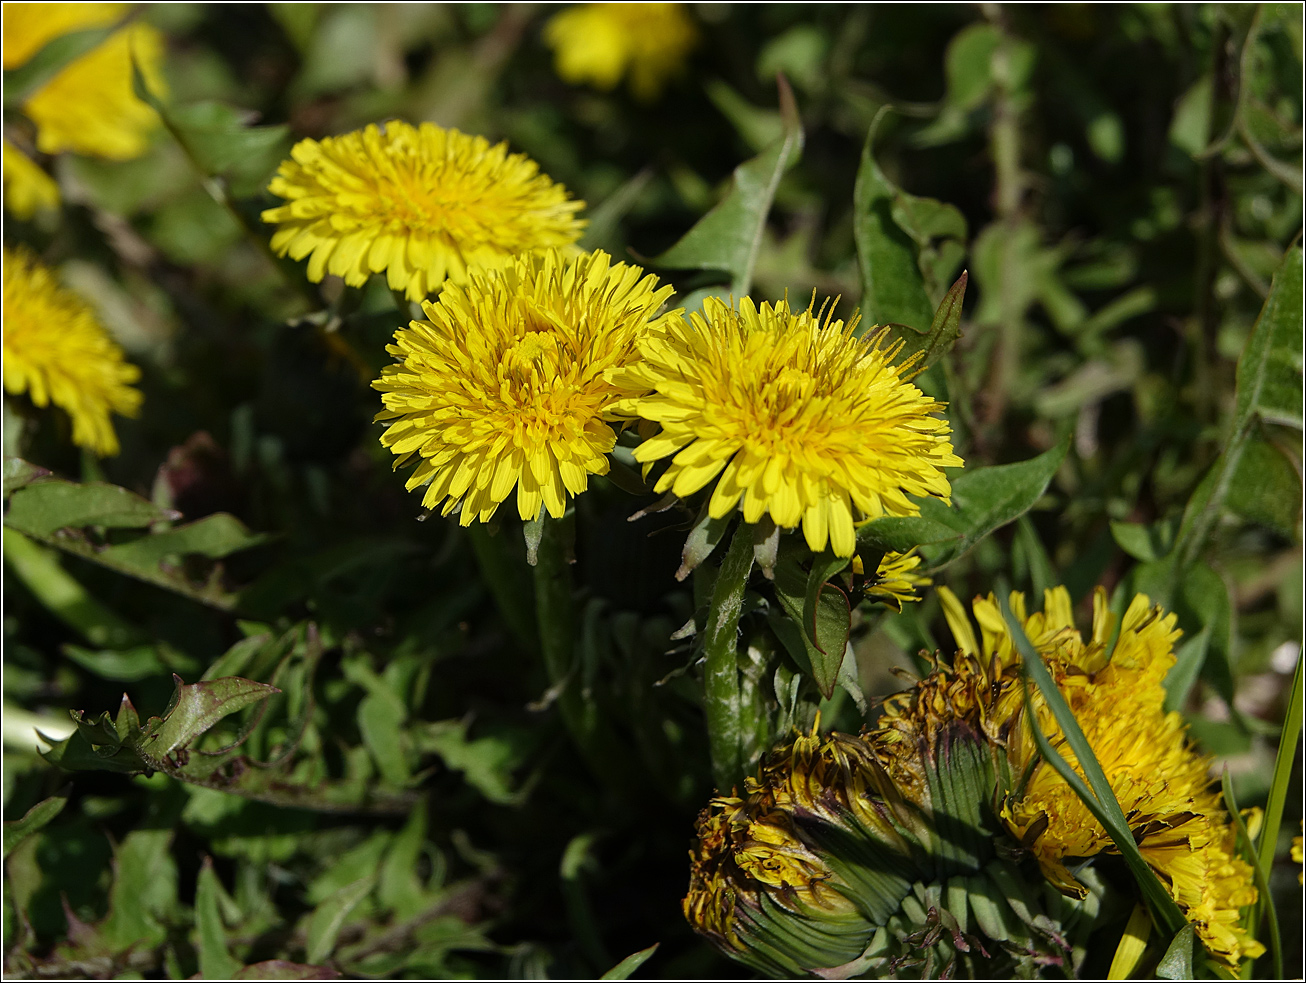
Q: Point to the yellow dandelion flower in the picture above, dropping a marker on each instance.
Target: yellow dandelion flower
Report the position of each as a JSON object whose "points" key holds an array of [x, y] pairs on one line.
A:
{"points": [[419, 203], [88, 107], [1162, 783], [598, 43], [794, 418], [28, 189], [505, 385], [56, 351]]}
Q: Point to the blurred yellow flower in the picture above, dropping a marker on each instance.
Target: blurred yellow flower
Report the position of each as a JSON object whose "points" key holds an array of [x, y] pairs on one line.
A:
{"points": [[421, 204], [598, 43], [1162, 783], [88, 107], [56, 351], [504, 386], [28, 189], [800, 420]]}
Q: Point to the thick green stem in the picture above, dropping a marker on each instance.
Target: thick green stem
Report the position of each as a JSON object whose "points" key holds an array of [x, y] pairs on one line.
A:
{"points": [[721, 677]]}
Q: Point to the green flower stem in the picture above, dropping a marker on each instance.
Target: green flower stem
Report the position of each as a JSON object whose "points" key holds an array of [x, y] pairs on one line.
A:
{"points": [[721, 678], [605, 754]]}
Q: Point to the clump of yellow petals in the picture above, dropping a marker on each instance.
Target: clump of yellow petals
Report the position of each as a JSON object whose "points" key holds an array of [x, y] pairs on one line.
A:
{"points": [[895, 582], [1162, 783], [506, 385], [419, 203], [88, 107], [800, 419], [598, 43], [28, 189], [56, 351]]}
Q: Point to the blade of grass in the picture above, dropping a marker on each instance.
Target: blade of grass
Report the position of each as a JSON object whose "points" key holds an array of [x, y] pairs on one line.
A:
{"points": [[1262, 883], [1100, 800], [1283, 761]]}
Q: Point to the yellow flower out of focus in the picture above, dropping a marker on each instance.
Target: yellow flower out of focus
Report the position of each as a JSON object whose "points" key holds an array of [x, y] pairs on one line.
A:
{"points": [[56, 351], [800, 420], [505, 385], [88, 107], [419, 203], [598, 43], [1162, 783], [28, 189]]}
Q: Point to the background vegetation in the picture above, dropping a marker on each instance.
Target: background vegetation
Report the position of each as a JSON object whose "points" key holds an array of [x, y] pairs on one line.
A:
{"points": [[1123, 184]]}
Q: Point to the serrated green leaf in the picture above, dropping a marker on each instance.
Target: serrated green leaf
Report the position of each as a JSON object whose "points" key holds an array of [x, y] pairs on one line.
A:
{"points": [[831, 622], [985, 499], [898, 534], [486, 762], [1270, 367], [893, 289], [383, 736], [729, 236], [43, 508], [328, 918], [627, 966], [196, 707], [36, 817]]}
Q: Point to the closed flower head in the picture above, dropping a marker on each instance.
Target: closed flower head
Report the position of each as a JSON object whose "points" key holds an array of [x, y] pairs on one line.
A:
{"points": [[794, 418], [505, 386], [88, 106], [419, 203], [599, 43], [55, 351]]}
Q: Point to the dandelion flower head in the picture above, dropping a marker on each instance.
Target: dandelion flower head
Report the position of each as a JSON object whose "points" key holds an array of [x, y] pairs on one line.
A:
{"points": [[56, 351], [598, 43], [505, 385], [795, 418], [28, 189], [1162, 783], [419, 203], [89, 106]]}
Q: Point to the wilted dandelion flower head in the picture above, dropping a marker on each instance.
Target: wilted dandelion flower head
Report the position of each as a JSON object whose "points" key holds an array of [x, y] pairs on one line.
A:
{"points": [[505, 385], [28, 189], [89, 106], [598, 43], [848, 855], [55, 351], [419, 203], [1162, 783], [796, 418]]}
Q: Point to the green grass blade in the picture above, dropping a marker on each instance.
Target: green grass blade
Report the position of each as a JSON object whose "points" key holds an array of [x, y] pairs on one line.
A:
{"points": [[1100, 800], [1262, 882], [1283, 762]]}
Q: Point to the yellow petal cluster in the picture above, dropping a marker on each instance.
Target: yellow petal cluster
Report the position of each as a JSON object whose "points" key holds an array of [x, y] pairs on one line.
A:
{"points": [[794, 418], [28, 189], [599, 43], [419, 203], [1162, 783], [506, 385], [895, 582], [55, 351], [88, 107]]}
